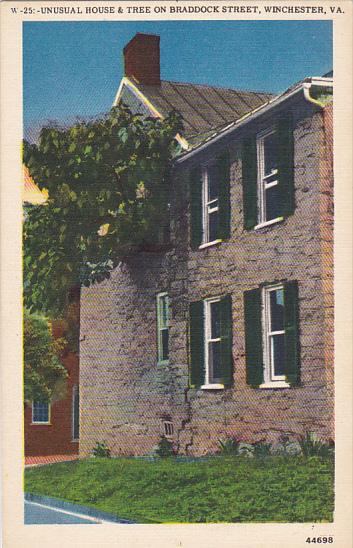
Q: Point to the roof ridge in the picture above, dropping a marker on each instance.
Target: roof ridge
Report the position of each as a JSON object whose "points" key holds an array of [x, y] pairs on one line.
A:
{"points": [[220, 87]]}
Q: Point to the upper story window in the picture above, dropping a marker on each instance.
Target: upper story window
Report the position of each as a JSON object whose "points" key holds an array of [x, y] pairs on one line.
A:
{"points": [[272, 335], [163, 327], [268, 175], [268, 182], [40, 412], [211, 343], [210, 202]]}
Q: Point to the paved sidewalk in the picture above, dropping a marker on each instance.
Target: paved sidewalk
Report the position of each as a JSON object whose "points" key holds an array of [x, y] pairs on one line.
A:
{"points": [[49, 459], [42, 509]]}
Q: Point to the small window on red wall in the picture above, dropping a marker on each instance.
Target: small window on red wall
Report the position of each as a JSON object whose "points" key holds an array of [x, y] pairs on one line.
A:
{"points": [[40, 412]]}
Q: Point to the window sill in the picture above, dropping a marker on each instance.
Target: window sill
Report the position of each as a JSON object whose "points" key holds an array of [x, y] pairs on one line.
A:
{"points": [[212, 387], [163, 362], [268, 223], [75, 441], [41, 424], [275, 384], [209, 244]]}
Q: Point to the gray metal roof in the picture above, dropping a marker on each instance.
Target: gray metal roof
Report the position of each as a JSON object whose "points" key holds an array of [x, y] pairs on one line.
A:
{"points": [[204, 108]]}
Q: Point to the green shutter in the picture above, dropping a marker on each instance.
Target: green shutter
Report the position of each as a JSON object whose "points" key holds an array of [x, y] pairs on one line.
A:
{"points": [[197, 345], [224, 196], [196, 207], [286, 165], [226, 340], [253, 337], [291, 326], [249, 179]]}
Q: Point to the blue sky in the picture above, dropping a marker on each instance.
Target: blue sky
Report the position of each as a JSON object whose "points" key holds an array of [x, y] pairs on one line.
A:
{"points": [[73, 69]]}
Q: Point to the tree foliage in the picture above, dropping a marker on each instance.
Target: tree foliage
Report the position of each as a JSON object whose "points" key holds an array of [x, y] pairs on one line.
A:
{"points": [[108, 197], [44, 374]]}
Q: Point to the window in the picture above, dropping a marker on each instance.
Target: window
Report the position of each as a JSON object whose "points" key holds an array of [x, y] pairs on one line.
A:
{"points": [[40, 412], [268, 189], [272, 335], [163, 327], [268, 175], [211, 343], [75, 413], [168, 429], [210, 202]]}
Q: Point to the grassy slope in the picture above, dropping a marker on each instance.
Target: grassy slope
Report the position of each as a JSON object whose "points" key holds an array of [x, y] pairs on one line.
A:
{"points": [[233, 489]]}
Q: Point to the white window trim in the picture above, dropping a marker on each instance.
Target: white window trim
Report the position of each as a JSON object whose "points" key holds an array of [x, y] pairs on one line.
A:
{"points": [[261, 177], [48, 422], [75, 388], [206, 210], [207, 330], [268, 223], [270, 380], [161, 361], [209, 244]]}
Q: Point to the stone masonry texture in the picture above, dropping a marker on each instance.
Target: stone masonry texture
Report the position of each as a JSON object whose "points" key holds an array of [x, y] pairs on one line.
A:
{"points": [[126, 395]]}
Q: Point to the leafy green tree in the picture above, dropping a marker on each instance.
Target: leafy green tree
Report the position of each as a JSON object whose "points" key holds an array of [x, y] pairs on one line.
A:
{"points": [[44, 375], [108, 197]]}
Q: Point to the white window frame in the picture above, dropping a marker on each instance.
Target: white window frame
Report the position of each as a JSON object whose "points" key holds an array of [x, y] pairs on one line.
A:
{"points": [[75, 389], [160, 328], [208, 206], [262, 185], [270, 379], [41, 422], [209, 384]]}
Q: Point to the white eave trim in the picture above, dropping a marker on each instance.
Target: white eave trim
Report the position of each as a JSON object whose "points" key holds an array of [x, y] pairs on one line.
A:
{"points": [[141, 97], [250, 116]]}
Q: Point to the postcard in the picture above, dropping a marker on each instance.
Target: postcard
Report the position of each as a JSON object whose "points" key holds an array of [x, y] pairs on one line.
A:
{"points": [[176, 273]]}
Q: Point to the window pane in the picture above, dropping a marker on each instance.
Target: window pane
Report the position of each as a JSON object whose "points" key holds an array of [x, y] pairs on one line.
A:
{"points": [[277, 350], [212, 226], [215, 328], [270, 153], [40, 412], [277, 310], [212, 173], [272, 202], [163, 304], [165, 344], [214, 361]]}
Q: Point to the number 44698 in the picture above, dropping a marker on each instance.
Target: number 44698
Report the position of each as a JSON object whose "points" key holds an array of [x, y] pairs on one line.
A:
{"points": [[319, 540]]}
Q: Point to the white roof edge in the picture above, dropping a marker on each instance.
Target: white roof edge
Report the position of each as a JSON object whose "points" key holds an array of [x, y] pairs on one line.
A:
{"points": [[314, 81], [125, 81]]}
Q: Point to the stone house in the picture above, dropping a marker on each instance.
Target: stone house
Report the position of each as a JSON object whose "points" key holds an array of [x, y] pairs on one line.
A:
{"points": [[228, 331]]}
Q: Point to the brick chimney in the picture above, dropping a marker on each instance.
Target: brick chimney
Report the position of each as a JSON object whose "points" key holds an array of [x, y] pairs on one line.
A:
{"points": [[142, 59]]}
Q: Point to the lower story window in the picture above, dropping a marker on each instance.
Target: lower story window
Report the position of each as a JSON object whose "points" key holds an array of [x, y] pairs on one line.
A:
{"points": [[274, 334], [168, 429], [40, 412], [163, 327], [211, 343], [272, 345]]}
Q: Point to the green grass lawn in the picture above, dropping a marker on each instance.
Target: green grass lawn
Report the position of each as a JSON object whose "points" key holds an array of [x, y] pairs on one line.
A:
{"points": [[220, 489]]}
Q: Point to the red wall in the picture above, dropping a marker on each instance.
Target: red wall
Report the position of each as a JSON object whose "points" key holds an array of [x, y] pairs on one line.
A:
{"points": [[56, 438]]}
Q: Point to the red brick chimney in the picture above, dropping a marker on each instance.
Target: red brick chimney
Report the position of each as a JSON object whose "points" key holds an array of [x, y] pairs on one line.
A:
{"points": [[142, 59]]}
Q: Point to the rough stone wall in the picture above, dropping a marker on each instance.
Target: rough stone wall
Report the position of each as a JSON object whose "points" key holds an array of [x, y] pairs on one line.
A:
{"points": [[125, 395]]}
